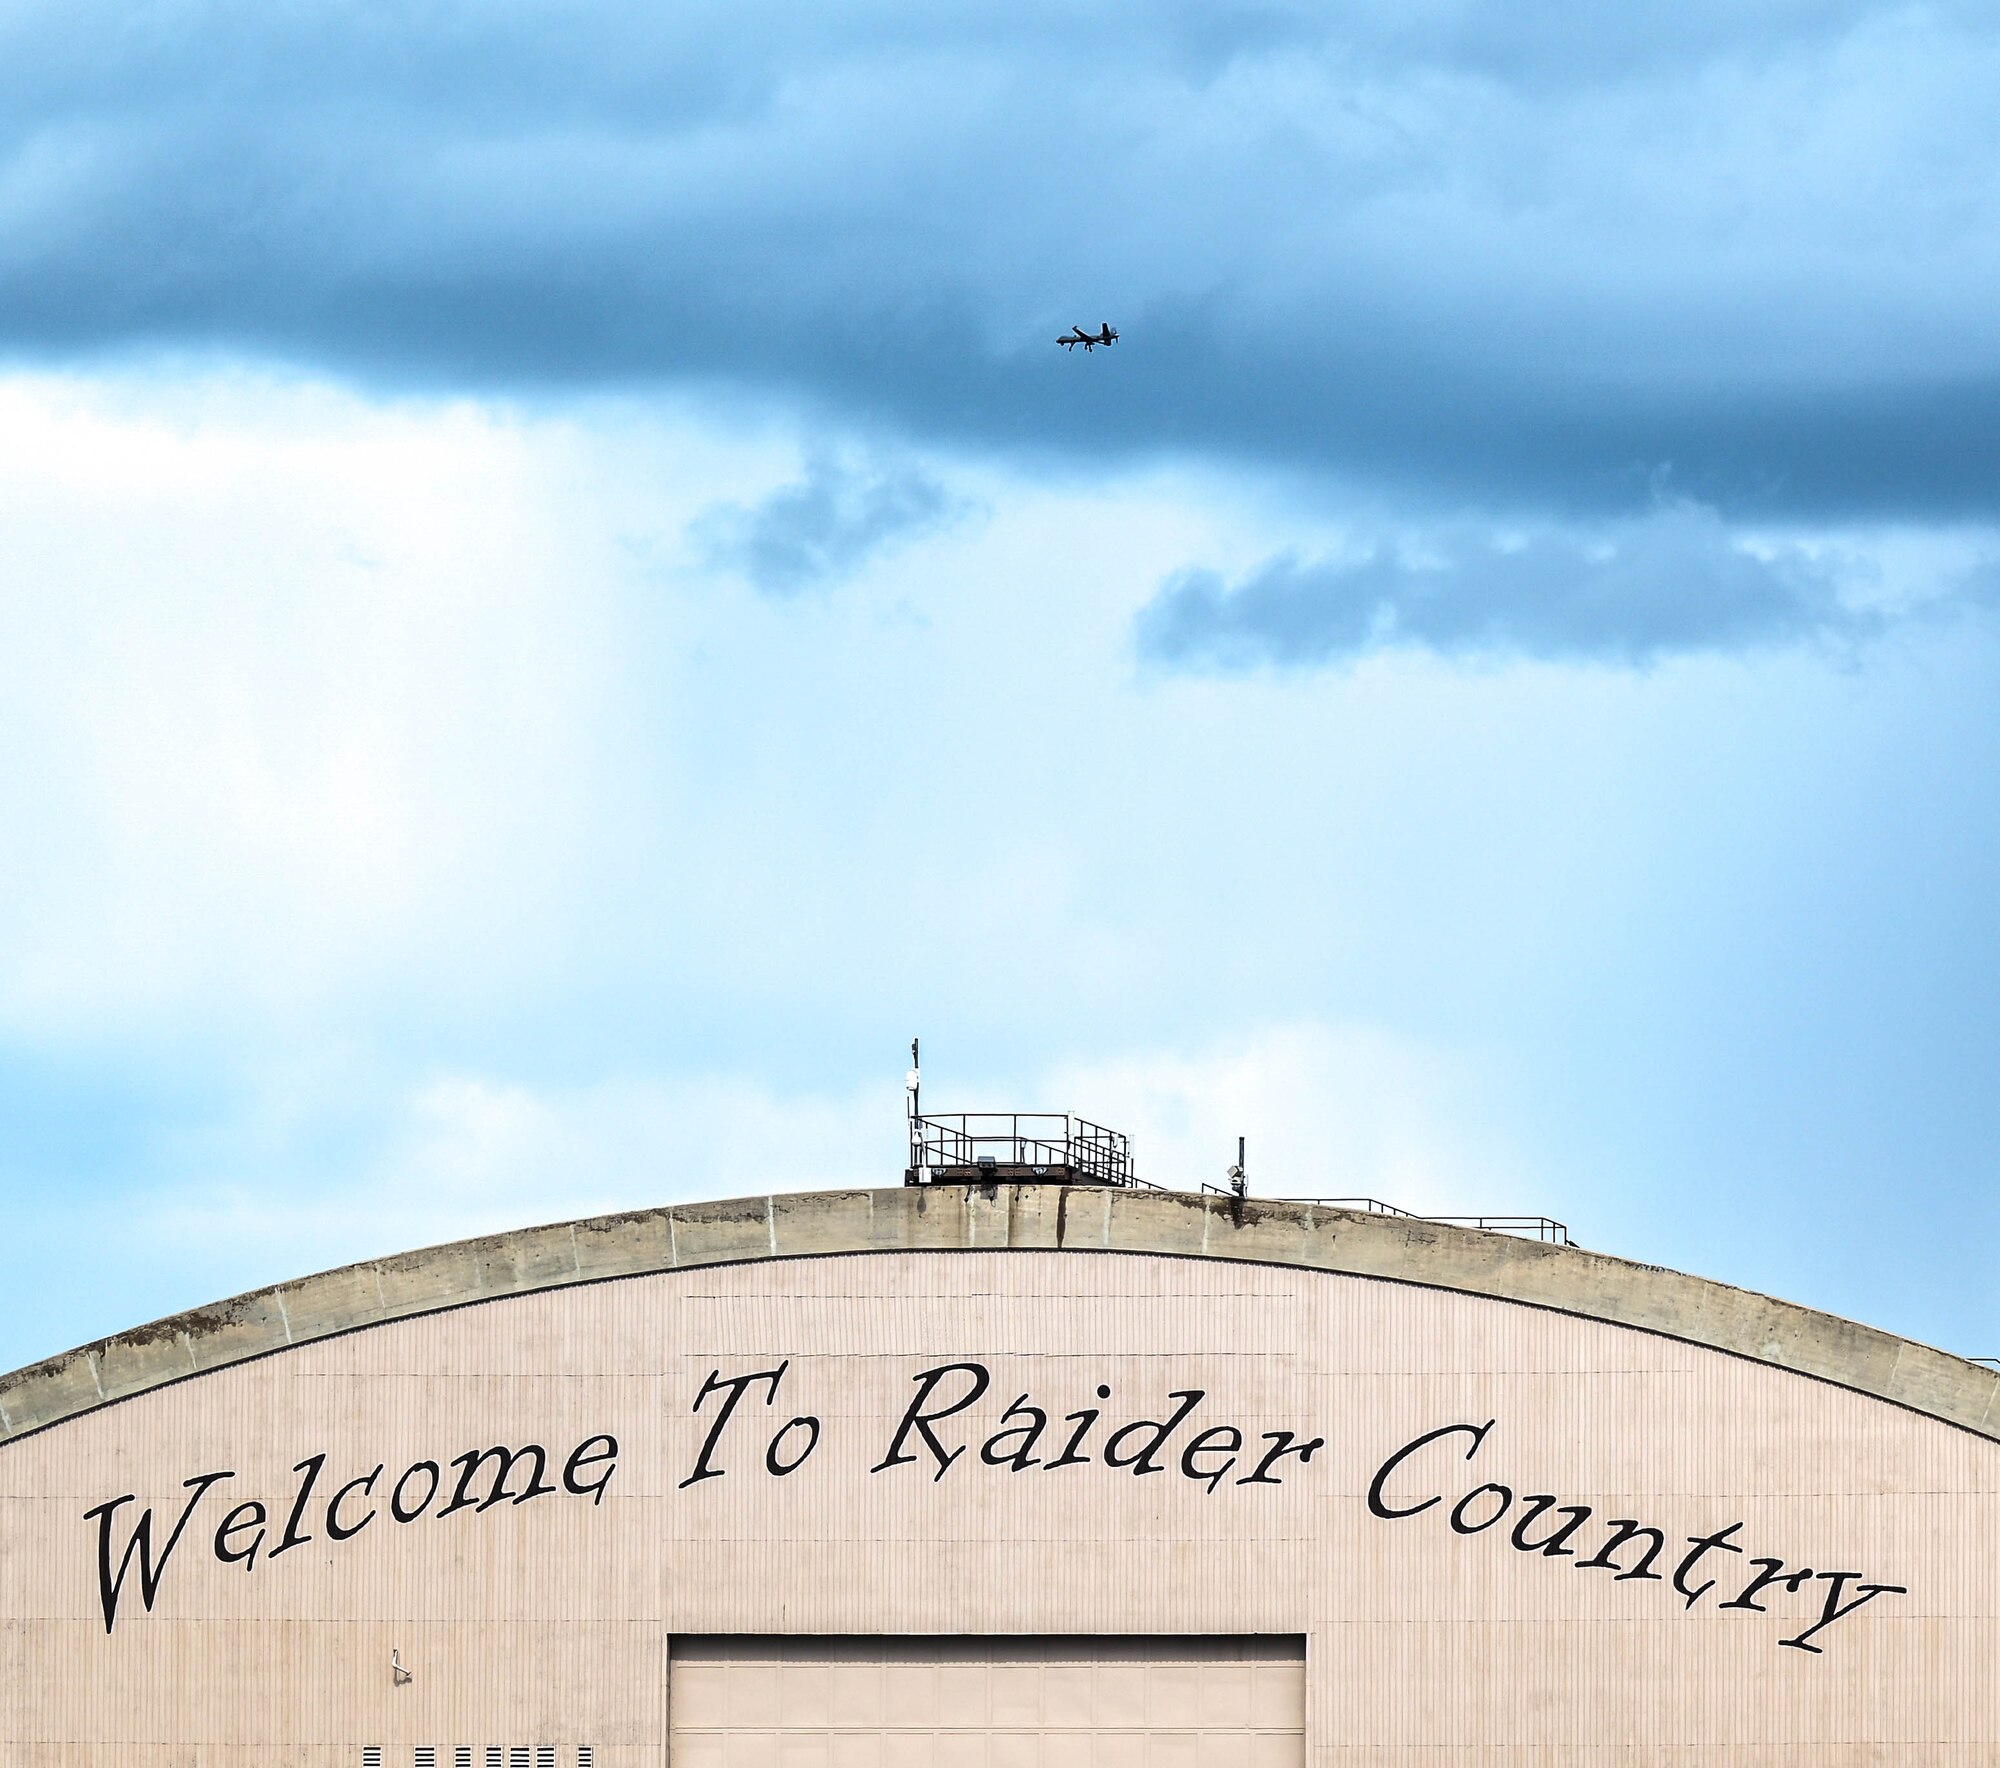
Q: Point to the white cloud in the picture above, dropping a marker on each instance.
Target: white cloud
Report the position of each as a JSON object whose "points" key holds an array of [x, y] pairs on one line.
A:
{"points": [[305, 697], [285, 674], [467, 1154], [308, 701], [1329, 1111]]}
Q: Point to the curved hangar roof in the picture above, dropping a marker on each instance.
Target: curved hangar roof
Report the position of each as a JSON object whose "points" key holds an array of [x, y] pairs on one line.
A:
{"points": [[857, 1480], [1010, 1217]]}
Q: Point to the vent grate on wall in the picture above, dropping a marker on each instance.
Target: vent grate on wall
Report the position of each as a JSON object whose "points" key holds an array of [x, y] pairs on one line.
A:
{"points": [[544, 1755]]}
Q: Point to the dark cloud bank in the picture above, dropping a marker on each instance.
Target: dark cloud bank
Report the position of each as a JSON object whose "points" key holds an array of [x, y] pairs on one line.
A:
{"points": [[1519, 258]]}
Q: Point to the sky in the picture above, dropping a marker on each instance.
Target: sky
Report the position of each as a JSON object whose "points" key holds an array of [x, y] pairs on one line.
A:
{"points": [[558, 604]]}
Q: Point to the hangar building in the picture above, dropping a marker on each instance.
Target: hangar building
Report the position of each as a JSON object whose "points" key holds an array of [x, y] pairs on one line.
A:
{"points": [[999, 1475]]}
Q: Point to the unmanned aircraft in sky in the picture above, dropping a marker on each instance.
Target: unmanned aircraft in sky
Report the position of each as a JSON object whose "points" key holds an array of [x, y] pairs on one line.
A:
{"points": [[1089, 340]]}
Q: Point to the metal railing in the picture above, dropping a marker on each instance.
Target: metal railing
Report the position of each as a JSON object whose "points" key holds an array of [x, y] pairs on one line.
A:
{"points": [[1990, 1362], [1526, 1227], [1022, 1144]]}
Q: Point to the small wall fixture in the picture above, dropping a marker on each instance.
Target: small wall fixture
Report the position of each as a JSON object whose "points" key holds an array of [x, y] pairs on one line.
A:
{"points": [[397, 1674]]}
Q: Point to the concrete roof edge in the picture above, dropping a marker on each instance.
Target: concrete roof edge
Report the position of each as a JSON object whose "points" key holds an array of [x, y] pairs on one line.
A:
{"points": [[958, 1219]]}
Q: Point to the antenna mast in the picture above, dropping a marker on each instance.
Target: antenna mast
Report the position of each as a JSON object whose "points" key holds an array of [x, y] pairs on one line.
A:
{"points": [[912, 1174]]}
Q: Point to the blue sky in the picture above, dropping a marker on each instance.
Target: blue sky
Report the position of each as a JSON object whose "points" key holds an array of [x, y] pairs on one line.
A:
{"points": [[558, 603]]}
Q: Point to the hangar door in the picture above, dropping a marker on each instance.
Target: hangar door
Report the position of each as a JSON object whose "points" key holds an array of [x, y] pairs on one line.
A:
{"points": [[738, 1701]]}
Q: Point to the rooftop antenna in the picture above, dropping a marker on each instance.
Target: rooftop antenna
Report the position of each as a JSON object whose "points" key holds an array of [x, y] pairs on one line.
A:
{"points": [[1238, 1181], [912, 1087]]}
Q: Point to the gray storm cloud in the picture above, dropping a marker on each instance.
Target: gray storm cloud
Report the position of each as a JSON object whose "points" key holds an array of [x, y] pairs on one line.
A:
{"points": [[1670, 584], [824, 525], [1520, 258]]}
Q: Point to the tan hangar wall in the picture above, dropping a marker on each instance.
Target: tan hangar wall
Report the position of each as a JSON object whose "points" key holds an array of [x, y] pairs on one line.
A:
{"points": [[1436, 1632]]}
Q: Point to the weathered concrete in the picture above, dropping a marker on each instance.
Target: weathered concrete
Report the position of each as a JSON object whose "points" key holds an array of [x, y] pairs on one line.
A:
{"points": [[1048, 1217]]}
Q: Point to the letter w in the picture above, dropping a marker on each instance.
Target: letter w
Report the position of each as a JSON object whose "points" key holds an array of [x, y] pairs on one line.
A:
{"points": [[110, 1583]]}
